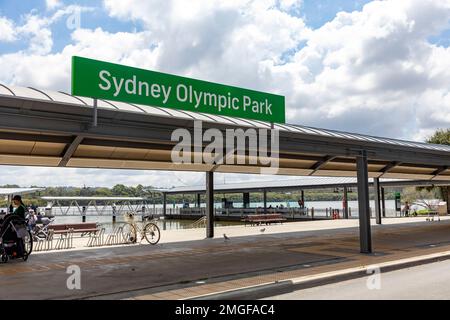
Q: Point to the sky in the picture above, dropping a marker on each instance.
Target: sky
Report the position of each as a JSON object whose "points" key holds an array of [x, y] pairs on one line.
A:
{"points": [[372, 67]]}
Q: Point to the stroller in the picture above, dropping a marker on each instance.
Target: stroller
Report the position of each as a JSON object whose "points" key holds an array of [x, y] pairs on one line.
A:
{"points": [[15, 239]]}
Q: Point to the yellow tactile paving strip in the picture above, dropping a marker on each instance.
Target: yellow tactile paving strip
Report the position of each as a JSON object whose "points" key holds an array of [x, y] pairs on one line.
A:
{"points": [[218, 287], [353, 260]]}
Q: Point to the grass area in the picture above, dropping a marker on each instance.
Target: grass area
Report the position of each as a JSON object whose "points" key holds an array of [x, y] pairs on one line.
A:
{"points": [[423, 211]]}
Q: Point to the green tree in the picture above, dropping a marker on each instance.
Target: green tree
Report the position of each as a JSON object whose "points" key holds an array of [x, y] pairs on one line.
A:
{"points": [[442, 136], [121, 190]]}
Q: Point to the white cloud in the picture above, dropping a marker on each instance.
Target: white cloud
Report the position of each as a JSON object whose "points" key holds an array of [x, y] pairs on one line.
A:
{"points": [[37, 30], [52, 177], [36, 65], [53, 4], [288, 5], [374, 64], [7, 30], [216, 40], [371, 64], [41, 176], [370, 71]]}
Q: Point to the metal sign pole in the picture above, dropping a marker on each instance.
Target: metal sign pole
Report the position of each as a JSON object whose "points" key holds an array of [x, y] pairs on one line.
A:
{"points": [[94, 121]]}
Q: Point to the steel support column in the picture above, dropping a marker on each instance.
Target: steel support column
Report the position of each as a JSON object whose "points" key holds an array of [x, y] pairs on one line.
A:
{"points": [[198, 200], [365, 236], [9, 204], [447, 199], [246, 199], [345, 202], [210, 204], [265, 200], [164, 204], [376, 193], [383, 203]]}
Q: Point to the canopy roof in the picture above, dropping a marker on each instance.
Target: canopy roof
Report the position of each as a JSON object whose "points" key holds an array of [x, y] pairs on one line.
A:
{"points": [[50, 198], [298, 184], [48, 128], [14, 191]]}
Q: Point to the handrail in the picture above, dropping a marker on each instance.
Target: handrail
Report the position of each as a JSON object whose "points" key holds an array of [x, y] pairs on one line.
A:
{"points": [[199, 223]]}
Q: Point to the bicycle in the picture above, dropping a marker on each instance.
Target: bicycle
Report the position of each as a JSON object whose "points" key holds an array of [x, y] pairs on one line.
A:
{"points": [[131, 229]]}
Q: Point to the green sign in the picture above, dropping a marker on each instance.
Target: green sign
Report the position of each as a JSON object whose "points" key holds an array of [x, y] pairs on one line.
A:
{"points": [[104, 80], [398, 203]]}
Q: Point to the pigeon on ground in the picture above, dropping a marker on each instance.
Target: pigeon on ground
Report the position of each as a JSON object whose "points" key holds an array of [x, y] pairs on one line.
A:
{"points": [[225, 237], [262, 230]]}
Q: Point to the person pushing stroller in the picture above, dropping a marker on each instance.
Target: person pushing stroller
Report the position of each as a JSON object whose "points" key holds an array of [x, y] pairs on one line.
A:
{"points": [[19, 207], [12, 243]]}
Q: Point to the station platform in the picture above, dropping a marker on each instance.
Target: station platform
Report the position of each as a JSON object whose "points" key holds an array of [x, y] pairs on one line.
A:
{"points": [[184, 265]]}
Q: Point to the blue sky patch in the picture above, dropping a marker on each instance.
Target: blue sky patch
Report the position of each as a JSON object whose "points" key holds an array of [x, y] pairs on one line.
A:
{"points": [[317, 13], [61, 34]]}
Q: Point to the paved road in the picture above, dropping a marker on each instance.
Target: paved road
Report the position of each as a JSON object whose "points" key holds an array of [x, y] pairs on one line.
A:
{"points": [[430, 281]]}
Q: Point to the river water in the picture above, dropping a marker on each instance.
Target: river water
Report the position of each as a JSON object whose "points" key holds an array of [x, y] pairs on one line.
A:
{"points": [[73, 214]]}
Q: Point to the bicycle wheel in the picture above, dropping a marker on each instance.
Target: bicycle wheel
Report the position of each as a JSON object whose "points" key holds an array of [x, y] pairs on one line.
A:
{"points": [[152, 233], [39, 234], [28, 245], [128, 233]]}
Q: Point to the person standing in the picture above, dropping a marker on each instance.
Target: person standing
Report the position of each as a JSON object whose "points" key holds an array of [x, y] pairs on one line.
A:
{"points": [[20, 209], [406, 209]]}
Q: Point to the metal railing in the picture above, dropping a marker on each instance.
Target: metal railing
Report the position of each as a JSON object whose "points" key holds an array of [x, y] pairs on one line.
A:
{"points": [[200, 223]]}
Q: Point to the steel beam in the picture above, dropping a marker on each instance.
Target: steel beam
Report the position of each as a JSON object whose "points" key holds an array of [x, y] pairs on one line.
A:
{"points": [[439, 171], [70, 150], [365, 236], [321, 163], [210, 204], [377, 198], [389, 167], [36, 137]]}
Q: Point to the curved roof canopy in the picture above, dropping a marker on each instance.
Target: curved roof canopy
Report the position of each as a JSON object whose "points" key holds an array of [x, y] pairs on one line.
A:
{"points": [[14, 191], [49, 128], [304, 183], [118, 198]]}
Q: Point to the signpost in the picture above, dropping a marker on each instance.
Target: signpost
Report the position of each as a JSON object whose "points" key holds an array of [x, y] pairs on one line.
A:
{"points": [[104, 80], [398, 203]]}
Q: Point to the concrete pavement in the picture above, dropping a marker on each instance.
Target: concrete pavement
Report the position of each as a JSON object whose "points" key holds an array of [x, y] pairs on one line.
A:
{"points": [[424, 282], [187, 269], [196, 234]]}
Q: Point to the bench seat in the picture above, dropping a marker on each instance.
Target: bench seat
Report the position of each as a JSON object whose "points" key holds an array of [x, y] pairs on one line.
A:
{"points": [[75, 228], [263, 218]]}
